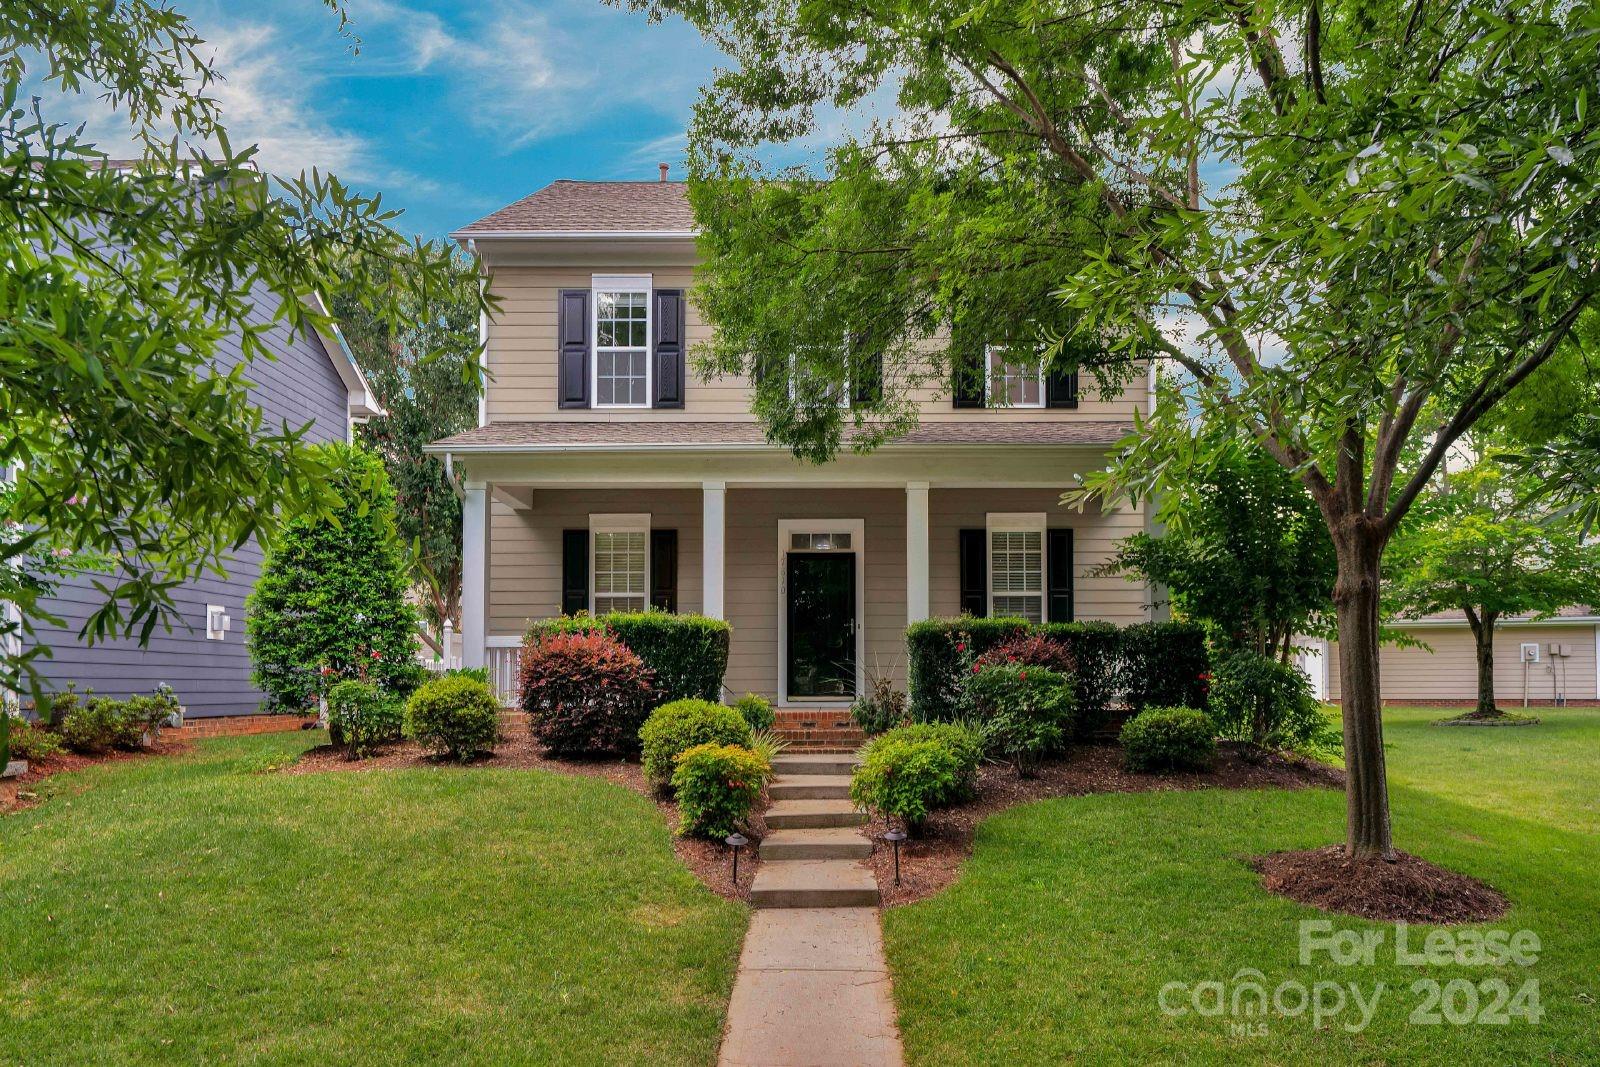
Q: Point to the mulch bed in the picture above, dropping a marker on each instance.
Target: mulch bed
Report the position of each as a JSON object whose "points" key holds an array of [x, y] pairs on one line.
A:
{"points": [[1408, 889], [710, 861], [21, 792], [932, 861]]}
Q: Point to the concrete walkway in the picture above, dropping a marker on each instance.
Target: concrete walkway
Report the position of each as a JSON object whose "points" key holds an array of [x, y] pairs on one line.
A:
{"points": [[812, 991]]}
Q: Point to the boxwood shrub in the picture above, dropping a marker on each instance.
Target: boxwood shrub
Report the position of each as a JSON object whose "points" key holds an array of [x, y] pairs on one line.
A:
{"points": [[905, 779], [688, 654], [681, 725], [458, 716], [963, 739], [937, 652], [717, 785], [1169, 739], [1164, 664]]}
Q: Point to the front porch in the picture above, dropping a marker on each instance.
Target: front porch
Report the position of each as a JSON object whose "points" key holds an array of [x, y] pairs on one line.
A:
{"points": [[819, 569]]}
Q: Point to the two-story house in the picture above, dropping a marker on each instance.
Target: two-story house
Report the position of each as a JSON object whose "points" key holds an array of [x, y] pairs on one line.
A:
{"points": [[606, 474]]}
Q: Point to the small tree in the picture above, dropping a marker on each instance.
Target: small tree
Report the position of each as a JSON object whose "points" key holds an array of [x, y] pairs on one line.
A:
{"points": [[1472, 546], [330, 604]]}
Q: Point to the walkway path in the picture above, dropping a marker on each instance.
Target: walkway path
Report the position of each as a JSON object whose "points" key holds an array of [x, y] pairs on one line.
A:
{"points": [[812, 989]]}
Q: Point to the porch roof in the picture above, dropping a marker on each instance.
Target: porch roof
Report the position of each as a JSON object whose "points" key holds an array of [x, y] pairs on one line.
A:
{"points": [[652, 435]]}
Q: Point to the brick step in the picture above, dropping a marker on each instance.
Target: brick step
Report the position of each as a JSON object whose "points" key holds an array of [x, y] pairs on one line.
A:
{"points": [[823, 747], [812, 814], [823, 843], [790, 764], [811, 787], [814, 884], [843, 733]]}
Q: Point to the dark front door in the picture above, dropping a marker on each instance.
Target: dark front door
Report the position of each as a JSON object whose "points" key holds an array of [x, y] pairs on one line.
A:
{"points": [[822, 624]]}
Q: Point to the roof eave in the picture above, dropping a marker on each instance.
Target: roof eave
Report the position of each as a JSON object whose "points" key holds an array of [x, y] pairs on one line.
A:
{"points": [[573, 235]]}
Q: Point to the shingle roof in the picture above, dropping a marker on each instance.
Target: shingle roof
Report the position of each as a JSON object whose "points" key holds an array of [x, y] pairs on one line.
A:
{"points": [[1571, 611], [647, 434], [593, 207]]}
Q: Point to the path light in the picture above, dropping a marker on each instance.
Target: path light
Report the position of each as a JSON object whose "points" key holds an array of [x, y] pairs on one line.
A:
{"points": [[894, 837], [738, 841]]}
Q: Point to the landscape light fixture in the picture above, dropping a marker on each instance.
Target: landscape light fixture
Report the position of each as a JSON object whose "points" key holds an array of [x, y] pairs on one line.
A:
{"points": [[894, 837], [738, 841]]}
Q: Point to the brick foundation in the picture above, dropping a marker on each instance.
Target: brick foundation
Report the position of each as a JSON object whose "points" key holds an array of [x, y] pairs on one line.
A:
{"points": [[1504, 705], [239, 726]]}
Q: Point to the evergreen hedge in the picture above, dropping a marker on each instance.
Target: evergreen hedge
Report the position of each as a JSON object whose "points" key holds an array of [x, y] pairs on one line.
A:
{"points": [[688, 654], [1164, 665], [936, 651]]}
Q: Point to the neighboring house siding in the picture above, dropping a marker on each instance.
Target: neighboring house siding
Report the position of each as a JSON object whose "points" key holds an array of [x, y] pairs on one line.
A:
{"points": [[210, 677], [1450, 673], [525, 559], [522, 357]]}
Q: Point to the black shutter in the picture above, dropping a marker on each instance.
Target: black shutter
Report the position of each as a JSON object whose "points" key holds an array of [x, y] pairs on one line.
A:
{"points": [[974, 572], [573, 355], [867, 388], [966, 376], [664, 570], [1058, 576], [1061, 389], [574, 571], [668, 326]]}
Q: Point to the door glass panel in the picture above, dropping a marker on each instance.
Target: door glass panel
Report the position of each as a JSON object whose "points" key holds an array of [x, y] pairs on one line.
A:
{"points": [[822, 622]]}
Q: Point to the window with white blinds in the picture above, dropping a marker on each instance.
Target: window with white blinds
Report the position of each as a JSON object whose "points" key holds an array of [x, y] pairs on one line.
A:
{"points": [[1016, 566], [619, 570]]}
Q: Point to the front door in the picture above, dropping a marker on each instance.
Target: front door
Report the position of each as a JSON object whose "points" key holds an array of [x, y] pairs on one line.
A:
{"points": [[822, 624]]}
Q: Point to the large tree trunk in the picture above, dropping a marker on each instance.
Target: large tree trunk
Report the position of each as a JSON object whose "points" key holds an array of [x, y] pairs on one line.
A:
{"points": [[1483, 640], [1355, 600]]}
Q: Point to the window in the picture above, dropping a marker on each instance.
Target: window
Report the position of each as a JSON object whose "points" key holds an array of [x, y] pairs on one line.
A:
{"points": [[621, 342], [619, 570], [801, 385], [1016, 566], [1014, 379]]}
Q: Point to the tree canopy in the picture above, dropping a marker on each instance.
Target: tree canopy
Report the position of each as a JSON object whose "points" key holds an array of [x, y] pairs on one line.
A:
{"points": [[122, 279]]}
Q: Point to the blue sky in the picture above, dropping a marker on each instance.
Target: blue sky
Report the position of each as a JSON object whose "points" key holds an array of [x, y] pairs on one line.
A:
{"points": [[450, 109]]}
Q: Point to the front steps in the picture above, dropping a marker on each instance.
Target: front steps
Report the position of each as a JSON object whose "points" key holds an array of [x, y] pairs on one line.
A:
{"points": [[814, 729], [811, 856]]}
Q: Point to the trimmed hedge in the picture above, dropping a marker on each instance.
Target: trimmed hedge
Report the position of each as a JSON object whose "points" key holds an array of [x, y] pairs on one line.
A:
{"points": [[935, 665], [688, 654], [1096, 649], [1169, 739], [681, 725], [1164, 665]]}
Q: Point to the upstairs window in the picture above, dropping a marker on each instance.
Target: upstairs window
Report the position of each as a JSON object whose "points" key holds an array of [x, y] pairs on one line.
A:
{"points": [[622, 343], [1013, 379], [619, 566], [1016, 566]]}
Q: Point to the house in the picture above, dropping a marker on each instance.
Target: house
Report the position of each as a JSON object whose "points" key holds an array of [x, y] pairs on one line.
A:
{"points": [[203, 658], [605, 474], [1542, 662]]}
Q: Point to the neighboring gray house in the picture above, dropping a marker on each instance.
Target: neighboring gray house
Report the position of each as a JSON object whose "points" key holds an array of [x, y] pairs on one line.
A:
{"points": [[203, 658]]}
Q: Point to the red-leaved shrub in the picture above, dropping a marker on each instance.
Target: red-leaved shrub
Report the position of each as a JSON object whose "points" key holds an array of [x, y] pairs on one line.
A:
{"points": [[1030, 650], [584, 692]]}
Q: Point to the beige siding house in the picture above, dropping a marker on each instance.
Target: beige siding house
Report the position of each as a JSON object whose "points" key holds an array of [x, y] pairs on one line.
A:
{"points": [[605, 473]]}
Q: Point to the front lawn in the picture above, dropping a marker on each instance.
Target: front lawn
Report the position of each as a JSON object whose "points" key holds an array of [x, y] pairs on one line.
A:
{"points": [[194, 909], [1073, 914]]}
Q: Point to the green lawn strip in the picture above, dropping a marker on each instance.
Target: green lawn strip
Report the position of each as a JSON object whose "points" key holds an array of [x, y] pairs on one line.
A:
{"points": [[1073, 913], [188, 909]]}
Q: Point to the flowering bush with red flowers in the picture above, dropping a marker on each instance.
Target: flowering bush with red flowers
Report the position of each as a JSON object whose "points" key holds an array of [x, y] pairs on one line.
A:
{"points": [[1025, 712], [1033, 650], [585, 692]]}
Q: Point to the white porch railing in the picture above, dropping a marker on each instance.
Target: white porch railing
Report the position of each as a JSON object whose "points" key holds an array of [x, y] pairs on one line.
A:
{"points": [[503, 657]]}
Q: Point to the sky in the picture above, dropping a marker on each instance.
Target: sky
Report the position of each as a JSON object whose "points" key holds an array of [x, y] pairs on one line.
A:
{"points": [[450, 109]]}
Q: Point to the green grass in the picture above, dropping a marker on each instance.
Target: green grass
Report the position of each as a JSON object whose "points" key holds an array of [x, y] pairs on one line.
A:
{"points": [[1073, 913], [195, 910]]}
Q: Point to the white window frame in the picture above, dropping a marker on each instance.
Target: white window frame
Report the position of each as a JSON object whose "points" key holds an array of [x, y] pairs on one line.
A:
{"points": [[989, 352], [614, 284], [846, 398], [1018, 522], [857, 529], [618, 523]]}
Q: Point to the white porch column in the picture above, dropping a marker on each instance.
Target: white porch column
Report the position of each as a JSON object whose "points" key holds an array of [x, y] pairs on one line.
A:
{"points": [[916, 551], [474, 574], [713, 530]]}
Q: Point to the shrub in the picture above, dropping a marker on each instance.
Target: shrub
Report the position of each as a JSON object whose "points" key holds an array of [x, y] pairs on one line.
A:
{"points": [[1168, 739], [768, 745], [458, 716], [362, 717], [717, 785], [1029, 649], [1096, 650], [30, 741], [140, 717], [1164, 664], [331, 600], [905, 779], [937, 654], [477, 674], [584, 692], [1258, 699], [92, 727], [688, 654], [883, 707], [57, 706], [1025, 711], [964, 740], [757, 711], [683, 724]]}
